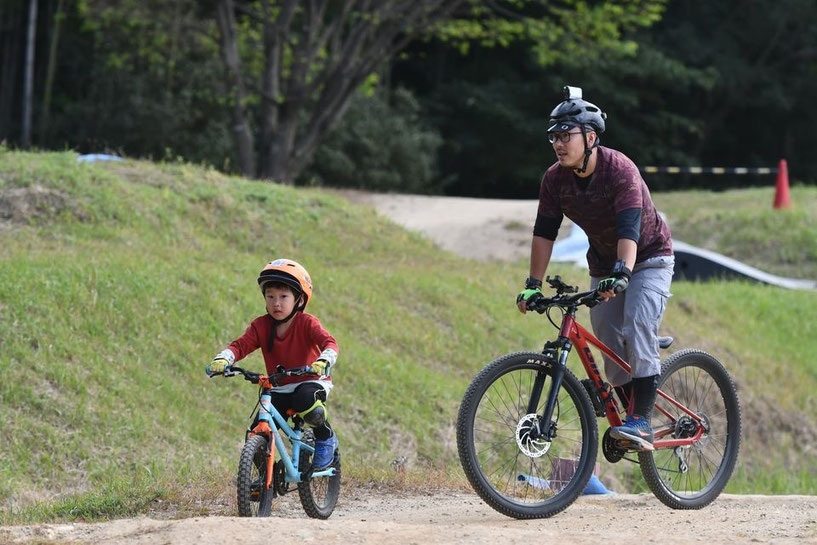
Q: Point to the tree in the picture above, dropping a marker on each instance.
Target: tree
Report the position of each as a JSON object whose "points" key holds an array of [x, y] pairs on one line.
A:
{"points": [[763, 55], [28, 78], [487, 82], [313, 57]]}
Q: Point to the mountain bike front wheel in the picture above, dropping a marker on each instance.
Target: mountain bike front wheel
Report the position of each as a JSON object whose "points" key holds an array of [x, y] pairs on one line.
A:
{"points": [[319, 495], [514, 471], [254, 500], [691, 477]]}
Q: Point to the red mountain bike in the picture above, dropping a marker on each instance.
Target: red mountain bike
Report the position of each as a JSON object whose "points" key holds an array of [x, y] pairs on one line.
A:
{"points": [[527, 434]]}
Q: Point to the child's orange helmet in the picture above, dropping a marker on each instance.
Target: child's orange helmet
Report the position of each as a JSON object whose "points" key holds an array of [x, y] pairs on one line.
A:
{"points": [[287, 272]]}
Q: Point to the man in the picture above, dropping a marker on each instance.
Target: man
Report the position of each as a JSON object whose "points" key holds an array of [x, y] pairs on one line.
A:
{"points": [[601, 190]]}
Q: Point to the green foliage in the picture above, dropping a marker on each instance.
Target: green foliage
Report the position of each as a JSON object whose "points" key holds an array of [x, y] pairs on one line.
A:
{"points": [[142, 79], [551, 29], [380, 144], [760, 58]]}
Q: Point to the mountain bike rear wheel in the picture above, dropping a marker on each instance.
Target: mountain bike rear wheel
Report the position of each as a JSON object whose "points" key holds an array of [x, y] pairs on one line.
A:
{"points": [[516, 473], [692, 477], [254, 500], [319, 495]]}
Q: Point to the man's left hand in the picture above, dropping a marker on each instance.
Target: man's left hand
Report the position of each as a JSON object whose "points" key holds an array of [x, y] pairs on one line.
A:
{"points": [[617, 282]]}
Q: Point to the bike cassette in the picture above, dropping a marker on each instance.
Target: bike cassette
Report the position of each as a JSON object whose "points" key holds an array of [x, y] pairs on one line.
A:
{"points": [[687, 427], [530, 445]]}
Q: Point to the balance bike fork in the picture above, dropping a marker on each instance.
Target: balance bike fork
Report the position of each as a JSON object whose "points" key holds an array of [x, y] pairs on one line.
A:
{"points": [[553, 394], [265, 421]]}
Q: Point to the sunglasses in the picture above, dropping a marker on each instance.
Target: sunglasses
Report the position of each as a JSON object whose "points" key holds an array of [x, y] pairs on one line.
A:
{"points": [[563, 137]]}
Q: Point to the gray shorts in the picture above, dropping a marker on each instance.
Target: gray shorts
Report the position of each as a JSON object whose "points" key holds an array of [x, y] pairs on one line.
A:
{"points": [[628, 323]]}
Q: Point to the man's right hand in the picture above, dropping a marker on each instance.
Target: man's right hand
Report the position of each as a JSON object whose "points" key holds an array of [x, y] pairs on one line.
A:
{"points": [[218, 365], [527, 298]]}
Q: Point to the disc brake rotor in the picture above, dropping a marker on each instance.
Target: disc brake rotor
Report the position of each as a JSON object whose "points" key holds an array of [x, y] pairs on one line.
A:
{"points": [[530, 446]]}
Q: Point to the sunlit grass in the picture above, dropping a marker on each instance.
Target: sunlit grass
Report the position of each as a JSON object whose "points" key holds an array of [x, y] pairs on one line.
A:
{"points": [[111, 306]]}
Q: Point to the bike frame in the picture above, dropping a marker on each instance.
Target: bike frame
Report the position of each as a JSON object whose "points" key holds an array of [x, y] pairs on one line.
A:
{"points": [[572, 334], [267, 413]]}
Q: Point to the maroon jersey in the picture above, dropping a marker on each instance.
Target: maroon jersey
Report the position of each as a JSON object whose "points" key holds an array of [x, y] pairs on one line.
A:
{"points": [[301, 345], [615, 186]]}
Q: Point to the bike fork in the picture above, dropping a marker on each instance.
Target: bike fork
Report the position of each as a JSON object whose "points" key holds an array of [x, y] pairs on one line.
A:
{"points": [[549, 431]]}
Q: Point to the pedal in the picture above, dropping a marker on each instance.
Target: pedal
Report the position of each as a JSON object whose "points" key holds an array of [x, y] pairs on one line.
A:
{"points": [[633, 446], [591, 390]]}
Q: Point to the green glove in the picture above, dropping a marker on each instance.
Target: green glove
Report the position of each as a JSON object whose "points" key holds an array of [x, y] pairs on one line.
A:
{"points": [[618, 280], [218, 365], [530, 296], [320, 367]]}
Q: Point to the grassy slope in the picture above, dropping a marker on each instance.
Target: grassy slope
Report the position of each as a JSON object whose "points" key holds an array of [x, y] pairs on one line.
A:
{"points": [[742, 224], [112, 303]]}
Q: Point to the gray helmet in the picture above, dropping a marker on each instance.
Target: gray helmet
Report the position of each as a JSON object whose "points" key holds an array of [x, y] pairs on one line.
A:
{"points": [[574, 111]]}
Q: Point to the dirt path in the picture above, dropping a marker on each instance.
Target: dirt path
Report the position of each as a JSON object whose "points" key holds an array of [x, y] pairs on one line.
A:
{"points": [[445, 518], [481, 229]]}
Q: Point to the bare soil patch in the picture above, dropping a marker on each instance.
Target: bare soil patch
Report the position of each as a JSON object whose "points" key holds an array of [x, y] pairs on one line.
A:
{"points": [[376, 517], [24, 205]]}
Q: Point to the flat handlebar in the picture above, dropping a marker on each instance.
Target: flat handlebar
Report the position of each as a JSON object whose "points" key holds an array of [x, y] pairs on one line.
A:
{"points": [[562, 299], [272, 380], [587, 298]]}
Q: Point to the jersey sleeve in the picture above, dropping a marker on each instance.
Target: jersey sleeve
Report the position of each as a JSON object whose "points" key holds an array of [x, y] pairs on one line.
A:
{"points": [[325, 342], [549, 214], [247, 343], [549, 205]]}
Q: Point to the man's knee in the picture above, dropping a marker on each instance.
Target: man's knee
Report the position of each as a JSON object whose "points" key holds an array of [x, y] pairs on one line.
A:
{"points": [[315, 415]]}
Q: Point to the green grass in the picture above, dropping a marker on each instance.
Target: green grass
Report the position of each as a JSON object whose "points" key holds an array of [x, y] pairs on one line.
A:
{"points": [[743, 225], [125, 279]]}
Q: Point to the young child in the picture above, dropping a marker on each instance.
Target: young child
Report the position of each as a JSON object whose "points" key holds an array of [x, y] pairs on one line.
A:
{"points": [[290, 337]]}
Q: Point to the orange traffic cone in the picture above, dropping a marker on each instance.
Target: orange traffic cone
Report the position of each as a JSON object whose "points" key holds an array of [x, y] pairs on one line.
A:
{"points": [[781, 195]]}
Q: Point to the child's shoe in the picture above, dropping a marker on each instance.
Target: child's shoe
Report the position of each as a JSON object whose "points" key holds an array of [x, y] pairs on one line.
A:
{"points": [[324, 452]]}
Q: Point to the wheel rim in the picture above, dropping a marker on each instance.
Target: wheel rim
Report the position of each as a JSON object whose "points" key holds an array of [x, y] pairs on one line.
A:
{"points": [[691, 471], [319, 487], [501, 422]]}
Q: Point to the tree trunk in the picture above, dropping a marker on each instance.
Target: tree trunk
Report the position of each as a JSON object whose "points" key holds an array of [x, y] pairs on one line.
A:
{"points": [[49, 76], [12, 20], [244, 141], [28, 79]]}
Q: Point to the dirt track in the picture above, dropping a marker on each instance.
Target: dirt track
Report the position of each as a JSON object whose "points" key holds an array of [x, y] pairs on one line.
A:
{"points": [[444, 518]]}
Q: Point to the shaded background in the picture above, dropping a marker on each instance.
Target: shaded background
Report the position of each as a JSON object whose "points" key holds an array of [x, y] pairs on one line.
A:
{"points": [[454, 111]]}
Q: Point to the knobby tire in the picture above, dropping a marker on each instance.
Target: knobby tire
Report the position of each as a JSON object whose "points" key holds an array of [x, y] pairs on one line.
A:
{"points": [[513, 483], [319, 495], [252, 471], [701, 383]]}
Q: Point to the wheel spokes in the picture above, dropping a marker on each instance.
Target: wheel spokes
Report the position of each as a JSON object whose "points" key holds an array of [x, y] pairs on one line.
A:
{"points": [[497, 442]]}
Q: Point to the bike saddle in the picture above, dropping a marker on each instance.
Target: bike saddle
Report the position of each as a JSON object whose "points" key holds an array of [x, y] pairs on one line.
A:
{"points": [[665, 342]]}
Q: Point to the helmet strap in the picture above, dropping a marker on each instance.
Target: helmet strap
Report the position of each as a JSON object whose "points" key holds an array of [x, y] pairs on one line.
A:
{"points": [[299, 305], [275, 323], [588, 151]]}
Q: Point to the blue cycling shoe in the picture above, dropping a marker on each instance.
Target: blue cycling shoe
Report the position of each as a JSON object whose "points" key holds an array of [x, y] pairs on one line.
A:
{"points": [[325, 452], [636, 430]]}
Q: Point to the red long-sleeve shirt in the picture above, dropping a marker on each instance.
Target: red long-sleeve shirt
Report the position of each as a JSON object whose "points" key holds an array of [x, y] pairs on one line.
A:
{"points": [[301, 345]]}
